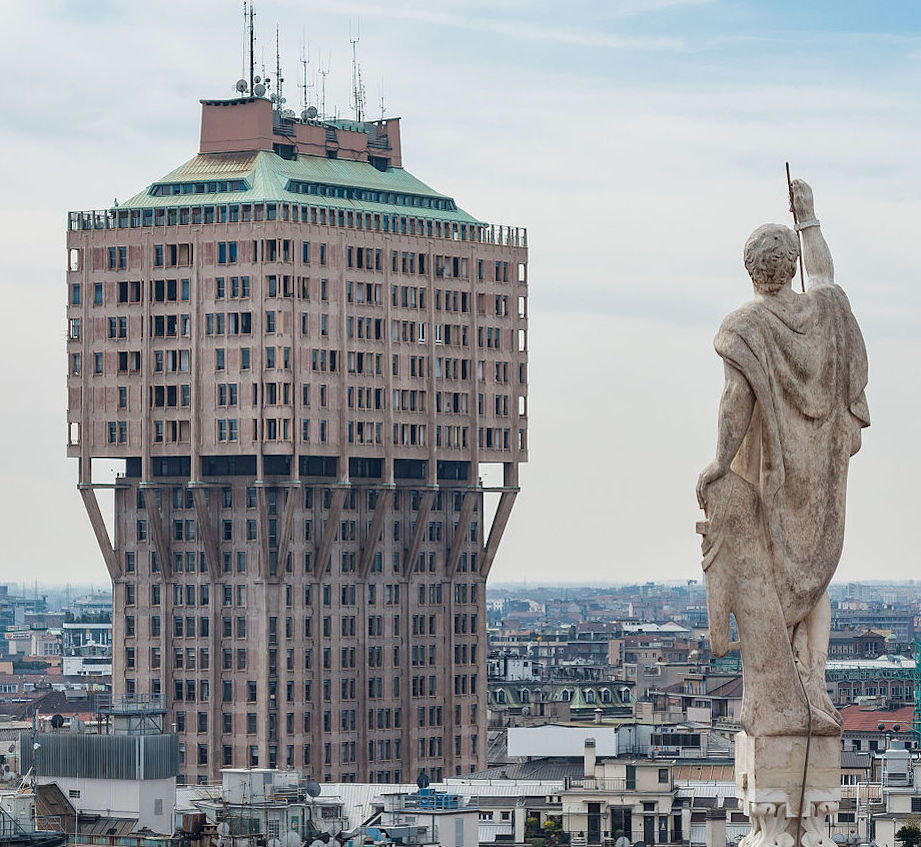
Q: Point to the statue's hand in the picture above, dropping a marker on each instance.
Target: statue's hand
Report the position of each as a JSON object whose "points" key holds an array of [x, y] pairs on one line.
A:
{"points": [[803, 202], [708, 475]]}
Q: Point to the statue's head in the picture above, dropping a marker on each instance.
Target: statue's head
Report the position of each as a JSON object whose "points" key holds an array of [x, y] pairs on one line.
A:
{"points": [[770, 257]]}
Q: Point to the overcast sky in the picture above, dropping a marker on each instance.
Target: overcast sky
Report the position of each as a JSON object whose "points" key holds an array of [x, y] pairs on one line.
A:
{"points": [[639, 142]]}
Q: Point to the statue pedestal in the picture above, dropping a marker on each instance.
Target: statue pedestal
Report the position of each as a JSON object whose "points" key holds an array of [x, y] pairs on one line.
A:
{"points": [[769, 779]]}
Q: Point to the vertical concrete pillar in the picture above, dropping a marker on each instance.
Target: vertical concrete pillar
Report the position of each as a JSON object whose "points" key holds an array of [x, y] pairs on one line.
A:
{"points": [[589, 759], [716, 828]]}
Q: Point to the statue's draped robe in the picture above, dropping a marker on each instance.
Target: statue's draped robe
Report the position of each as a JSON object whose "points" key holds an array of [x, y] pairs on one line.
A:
{"points": [[806, 363]]}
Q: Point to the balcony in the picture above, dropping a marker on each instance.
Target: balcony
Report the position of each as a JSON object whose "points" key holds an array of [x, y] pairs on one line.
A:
{"points": [[571, 783]]}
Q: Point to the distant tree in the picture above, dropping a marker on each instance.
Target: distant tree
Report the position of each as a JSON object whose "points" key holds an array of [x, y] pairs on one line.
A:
{"points": [[910, 832]]}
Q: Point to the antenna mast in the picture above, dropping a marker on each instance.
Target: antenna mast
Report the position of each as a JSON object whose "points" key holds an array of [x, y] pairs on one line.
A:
{"points": [[305, 86], [279, 100], [323, 74], [358, 90], [252, 38]]}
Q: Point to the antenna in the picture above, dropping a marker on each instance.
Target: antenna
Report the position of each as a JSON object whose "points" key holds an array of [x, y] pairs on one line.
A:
{"points": [[305, 61], [252, 38], [358, 89], [279, 100], [323, 73], [382, 98]]}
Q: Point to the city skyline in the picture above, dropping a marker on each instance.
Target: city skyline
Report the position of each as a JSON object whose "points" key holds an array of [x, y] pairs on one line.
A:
{"points": [[685, 143]]}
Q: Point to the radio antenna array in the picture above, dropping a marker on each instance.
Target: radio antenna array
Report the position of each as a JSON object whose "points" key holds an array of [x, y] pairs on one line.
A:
{"points": [[305, 61], [323, 73], [252, 39], [358, 88], [279, 79]]}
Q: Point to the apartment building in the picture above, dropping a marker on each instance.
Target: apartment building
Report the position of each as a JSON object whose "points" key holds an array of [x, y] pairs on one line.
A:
{"points": [[309, 361]]}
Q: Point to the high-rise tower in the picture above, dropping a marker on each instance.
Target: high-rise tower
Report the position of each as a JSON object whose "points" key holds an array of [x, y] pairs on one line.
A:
{"points": [[304, 355]]}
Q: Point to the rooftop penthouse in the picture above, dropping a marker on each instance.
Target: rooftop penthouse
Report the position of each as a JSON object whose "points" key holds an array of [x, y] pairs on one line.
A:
{"points": [[256, 164]]}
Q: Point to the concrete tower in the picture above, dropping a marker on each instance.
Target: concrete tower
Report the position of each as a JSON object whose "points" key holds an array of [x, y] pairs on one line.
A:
{"points": [[304, 355]]}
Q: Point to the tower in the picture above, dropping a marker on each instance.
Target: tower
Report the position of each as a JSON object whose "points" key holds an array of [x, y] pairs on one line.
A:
{"points": [[303, 355]]}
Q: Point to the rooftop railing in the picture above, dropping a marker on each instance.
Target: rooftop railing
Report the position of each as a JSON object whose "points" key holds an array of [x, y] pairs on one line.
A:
{"points": [[107, 219], [431, 801], [573, 783], [133, 703]]}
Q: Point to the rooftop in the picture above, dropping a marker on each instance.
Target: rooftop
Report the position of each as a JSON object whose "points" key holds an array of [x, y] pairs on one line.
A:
{"points": [[859, 719], [264, 176]]}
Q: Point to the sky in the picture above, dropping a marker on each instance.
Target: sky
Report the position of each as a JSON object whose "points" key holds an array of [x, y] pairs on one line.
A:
{"points": [[639, 142]]}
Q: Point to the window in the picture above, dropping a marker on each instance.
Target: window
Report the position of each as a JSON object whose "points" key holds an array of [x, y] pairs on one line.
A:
{"points": [[226, 252]]}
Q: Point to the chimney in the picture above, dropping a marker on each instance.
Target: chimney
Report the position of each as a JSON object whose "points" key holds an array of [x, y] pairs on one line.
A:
{"points": [[589, 762], [716, 828], [598, 713]]}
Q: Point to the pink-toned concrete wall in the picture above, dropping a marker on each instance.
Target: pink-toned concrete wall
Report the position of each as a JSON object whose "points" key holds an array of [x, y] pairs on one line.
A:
{"points": [[230, 126]]}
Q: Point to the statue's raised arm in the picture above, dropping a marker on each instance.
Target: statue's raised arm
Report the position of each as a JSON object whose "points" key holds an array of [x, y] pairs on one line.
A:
{"points": [[816, 255]]}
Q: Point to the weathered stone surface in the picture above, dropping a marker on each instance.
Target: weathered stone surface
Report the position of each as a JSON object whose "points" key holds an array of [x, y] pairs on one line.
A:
{"points": [[790, 418], [769, 785]]}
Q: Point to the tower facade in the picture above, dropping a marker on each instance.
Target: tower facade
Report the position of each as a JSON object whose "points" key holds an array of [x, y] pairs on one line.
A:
{"points": [[304, 355]]}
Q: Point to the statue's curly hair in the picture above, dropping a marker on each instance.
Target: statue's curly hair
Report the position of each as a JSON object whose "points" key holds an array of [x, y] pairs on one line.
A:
{"points": [[770, 257]]}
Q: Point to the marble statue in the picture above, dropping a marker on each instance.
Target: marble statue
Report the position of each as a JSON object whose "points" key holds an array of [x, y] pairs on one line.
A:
{"points": [[790, 417]]}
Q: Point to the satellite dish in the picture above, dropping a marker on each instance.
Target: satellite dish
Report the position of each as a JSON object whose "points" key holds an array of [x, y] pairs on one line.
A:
{"points": [[896, 727], [257, 78], [274, 842], [623, 841], [313, 788], [223, 828], [242, 85], [312, 112], [317, 843], [423, 781], [259, 89], [57, 721]]}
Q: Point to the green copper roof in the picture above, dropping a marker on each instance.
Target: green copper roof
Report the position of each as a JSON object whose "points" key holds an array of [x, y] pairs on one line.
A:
{"points": [[257, 177]]}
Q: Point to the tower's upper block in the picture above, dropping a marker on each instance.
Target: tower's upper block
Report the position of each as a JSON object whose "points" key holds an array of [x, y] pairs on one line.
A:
{"points": [[291, 291]]}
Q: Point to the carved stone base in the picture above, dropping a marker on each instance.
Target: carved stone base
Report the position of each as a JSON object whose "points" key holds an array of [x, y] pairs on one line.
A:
{"points": [[769, 785], [773, 825]]}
